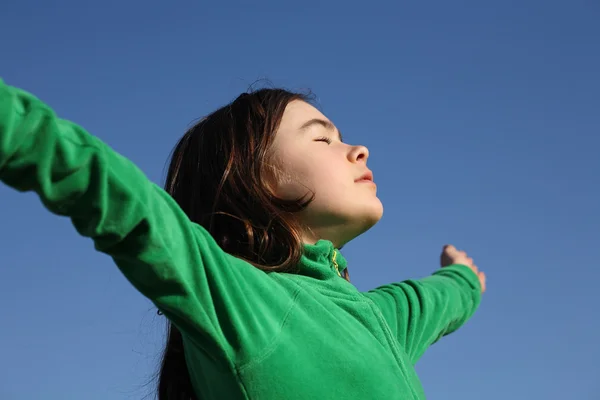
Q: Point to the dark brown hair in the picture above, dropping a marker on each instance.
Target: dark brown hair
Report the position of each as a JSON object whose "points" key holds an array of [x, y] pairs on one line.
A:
{"points": [[218, 175]]}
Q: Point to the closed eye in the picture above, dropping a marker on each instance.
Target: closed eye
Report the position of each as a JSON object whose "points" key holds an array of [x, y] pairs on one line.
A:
{"points": [[323, 139]]}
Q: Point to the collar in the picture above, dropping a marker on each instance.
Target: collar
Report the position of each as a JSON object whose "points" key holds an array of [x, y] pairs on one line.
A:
{"points": [[322, 261]]}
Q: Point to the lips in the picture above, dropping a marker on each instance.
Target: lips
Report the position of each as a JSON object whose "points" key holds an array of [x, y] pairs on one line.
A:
{"points": [[366, 177]]}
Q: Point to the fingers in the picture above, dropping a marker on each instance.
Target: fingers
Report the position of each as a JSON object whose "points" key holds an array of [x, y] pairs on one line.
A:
{"points": [[482, 281], [447, 256], [453, 251], [450, 249], [451, 255]]}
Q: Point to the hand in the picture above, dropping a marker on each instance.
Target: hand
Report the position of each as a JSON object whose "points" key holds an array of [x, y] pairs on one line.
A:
{"points": [[451, 255]]}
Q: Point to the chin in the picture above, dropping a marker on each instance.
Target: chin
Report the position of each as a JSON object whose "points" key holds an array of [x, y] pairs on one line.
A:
{"points": [[372, 219], [375, 211], [368, 219]]}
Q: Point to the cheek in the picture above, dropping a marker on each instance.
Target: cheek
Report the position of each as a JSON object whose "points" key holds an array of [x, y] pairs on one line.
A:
{"points": [[292, 178]]}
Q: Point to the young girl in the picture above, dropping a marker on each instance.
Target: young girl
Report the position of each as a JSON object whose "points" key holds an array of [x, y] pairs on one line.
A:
{"points": [[241, 252]]}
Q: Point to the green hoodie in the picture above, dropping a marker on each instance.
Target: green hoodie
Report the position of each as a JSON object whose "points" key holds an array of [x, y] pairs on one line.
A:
{"points": [[248, 334]]}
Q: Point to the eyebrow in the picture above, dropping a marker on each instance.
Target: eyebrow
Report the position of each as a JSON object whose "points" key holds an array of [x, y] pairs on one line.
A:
{"points": [[324, 123]]}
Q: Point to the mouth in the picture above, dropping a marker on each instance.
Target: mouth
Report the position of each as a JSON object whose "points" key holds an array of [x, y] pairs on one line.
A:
{"points": [[366, 178]]}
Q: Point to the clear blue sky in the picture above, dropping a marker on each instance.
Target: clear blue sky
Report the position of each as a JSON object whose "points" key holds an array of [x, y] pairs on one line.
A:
{"points": [[482, 121]]}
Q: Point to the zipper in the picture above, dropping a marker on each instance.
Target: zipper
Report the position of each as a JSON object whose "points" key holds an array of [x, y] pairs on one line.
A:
{"points": [[335, 264]]}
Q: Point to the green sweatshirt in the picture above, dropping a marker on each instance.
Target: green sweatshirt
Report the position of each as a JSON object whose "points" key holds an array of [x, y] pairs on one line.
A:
{"points": [[248, 334]]}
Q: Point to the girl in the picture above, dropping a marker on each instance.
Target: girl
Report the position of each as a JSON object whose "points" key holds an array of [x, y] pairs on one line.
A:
{"points": [[241, 252]]}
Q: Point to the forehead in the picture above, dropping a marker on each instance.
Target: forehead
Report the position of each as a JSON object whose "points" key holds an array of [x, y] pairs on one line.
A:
{"points": [[297, 113]]}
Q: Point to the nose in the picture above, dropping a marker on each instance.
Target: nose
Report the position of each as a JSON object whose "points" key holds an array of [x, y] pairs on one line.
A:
{"points": [[358, 154]]}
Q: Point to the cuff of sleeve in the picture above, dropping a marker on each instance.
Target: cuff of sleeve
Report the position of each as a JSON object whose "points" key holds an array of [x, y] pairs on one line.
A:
{"points": [[462, 273]]}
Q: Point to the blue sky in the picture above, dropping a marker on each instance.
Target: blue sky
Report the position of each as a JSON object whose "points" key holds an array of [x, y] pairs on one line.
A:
{"points": [[482, 121]]}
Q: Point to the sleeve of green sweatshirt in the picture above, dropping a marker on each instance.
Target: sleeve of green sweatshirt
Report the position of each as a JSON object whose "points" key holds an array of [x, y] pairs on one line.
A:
{"points": [[420, 312], [217, 299]]}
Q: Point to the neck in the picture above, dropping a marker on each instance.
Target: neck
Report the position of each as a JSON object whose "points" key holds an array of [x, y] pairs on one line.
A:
{"points": [[312, 237]]}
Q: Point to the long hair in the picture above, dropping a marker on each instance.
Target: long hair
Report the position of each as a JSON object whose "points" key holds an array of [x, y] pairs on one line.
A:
{"points": [[218, 175]]}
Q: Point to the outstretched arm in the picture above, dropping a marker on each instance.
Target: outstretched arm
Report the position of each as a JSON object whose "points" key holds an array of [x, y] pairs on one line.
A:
{"points": [[170, 260], [420, 312]]}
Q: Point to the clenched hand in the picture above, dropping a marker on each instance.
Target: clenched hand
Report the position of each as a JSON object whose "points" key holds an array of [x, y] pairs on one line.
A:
{"points": [[451, 255]]}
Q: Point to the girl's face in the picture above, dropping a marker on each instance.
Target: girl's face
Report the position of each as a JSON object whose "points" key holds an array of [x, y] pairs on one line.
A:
{"points": [[311, 158]]}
